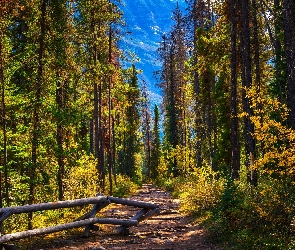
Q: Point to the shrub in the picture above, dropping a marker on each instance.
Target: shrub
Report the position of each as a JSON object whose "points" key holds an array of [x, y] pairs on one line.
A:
{"points": [[249, 217], [124, 187], [199, 191]]}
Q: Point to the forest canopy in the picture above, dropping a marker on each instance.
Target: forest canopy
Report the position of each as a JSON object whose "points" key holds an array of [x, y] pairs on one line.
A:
{"points": [[75, 122]]}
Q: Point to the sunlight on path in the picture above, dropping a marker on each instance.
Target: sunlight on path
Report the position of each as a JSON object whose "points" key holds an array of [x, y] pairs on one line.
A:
{"points": [[167, 231]]}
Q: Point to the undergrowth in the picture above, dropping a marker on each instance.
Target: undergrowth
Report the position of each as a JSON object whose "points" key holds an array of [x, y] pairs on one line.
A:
{"points": [[81, 182], [237, 215]]}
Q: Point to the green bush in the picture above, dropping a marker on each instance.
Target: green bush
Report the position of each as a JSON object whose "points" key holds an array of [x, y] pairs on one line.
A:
{"points": [[124, 186], [237, 215], [199, 191], [249, 217]]}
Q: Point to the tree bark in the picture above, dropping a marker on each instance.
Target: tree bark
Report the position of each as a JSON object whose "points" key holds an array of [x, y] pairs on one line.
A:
{"points": [[52, 205], [60, 138], [289, 35], [101, 157], [278, 56], [132, 203], [110, 158], [3, 122], [249, 126], [171, 93], [76, 224], [36, 112], [257, 75], [59, 18], [97, 89], [197, 22], [235, 161]]}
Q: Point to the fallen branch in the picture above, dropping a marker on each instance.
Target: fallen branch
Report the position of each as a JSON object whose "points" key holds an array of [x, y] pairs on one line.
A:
{"points": [[137, 217], [96, 208], [53, 205], [132, 203], [6, 214], [53, 229], [150, 214]]}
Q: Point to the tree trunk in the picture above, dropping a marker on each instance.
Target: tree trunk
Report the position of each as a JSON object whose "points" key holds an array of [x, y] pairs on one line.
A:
{"points": [[36, 112], [101, 162], [257, 74], [289, 35], [97, 89], [114, 150], [278, 56], [60, 138], [110, 159], [197, 22], [3, 121], [235, 161], [96, 123], [91, 137], [249, 126], [60, 42], [173, 126]]}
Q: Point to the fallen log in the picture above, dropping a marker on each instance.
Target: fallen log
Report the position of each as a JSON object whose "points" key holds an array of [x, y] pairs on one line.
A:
{"points": [[150, 214], [5, 214], [50, 205], [133, 203], [61, 227], [121, 229], [8, 247], [96, 208], [87, 215]]}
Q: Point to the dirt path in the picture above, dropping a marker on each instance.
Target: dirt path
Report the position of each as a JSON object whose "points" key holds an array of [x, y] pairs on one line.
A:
{"points": [[166, 231]]}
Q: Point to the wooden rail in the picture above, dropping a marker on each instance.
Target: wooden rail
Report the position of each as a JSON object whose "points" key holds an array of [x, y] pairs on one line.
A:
{"points": [[88, 220]]}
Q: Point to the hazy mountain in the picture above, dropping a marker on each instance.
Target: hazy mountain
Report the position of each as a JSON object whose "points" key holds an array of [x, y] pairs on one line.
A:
{"points": [[146, 21]]}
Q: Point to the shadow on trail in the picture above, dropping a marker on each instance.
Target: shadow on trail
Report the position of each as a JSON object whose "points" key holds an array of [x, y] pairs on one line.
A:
{"points": [[167, 231]]}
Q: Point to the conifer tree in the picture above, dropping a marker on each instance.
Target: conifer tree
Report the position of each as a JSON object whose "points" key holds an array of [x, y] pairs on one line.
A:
{"points": [[146, 127], [289, 35], [7, 11], [131, 143], [173, 54], [235, 163], [156, 144]]}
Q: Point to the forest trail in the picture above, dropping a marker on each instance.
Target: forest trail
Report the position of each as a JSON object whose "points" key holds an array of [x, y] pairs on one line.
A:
{"points": [[167, 231]]}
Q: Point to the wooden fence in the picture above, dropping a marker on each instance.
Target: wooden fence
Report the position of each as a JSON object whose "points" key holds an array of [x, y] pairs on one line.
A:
{"points": [[88, 220]]}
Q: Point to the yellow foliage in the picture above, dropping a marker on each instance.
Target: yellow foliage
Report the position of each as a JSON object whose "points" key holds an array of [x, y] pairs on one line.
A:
{"points": [[277, 139], [199, 191], [124, 187], [82, 180]]}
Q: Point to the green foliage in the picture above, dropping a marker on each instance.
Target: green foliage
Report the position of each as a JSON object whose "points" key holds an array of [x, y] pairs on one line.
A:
{"points": [[81, 179], [156, 144], [239, 216], [124, 187], [80, 182], [253, 218], [236, 214], [128, 135], [198, 191]]}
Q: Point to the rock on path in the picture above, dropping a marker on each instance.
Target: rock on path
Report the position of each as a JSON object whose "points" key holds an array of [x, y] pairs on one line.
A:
{"points": [[167, 231]]}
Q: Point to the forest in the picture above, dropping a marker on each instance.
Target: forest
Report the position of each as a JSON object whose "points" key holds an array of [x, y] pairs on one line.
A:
{"points": [[76, 119]]}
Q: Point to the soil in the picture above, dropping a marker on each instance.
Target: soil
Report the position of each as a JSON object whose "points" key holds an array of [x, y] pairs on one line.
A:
{"points": [[169, 230]]}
